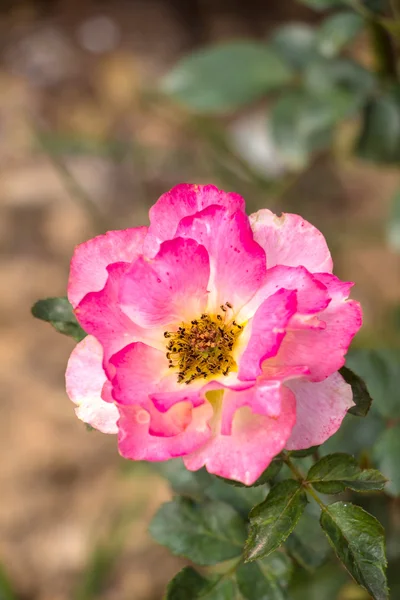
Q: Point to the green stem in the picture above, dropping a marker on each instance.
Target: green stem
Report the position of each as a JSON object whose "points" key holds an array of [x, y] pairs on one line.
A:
{"points": [[300, 477]]}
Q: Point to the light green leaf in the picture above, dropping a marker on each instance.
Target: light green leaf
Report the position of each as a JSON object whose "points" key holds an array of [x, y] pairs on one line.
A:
{"points": [[358, 540], [393, 225], [381, 371], [59, 312], [206, 533], [273, 520], [295, 43], [226, 77], [386, 454], [333, 473], [361, 397], [379, 140], [337, 31]]}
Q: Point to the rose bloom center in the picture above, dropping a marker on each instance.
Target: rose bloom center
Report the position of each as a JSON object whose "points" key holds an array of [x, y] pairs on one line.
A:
{"points": [[203, 347]]}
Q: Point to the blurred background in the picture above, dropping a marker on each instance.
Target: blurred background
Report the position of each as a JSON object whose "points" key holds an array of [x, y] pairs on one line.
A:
{"points": [[103, 107]]}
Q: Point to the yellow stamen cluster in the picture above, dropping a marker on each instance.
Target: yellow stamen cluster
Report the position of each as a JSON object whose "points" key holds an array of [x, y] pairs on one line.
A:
{"points": [[203, 347]]}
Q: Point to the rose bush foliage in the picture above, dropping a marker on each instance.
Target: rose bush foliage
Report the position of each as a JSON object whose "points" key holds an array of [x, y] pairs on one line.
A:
{"points": [[212, 336]]}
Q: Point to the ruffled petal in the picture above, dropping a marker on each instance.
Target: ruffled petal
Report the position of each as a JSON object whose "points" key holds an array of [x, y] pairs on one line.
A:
{"points": [[237, 262], [254, 440], [320, 346], [312, 294], [168, 289], [136, 442], [181, 201], [290, 240], [320, 409], [89, 263], [266, 331], [85, 378]]}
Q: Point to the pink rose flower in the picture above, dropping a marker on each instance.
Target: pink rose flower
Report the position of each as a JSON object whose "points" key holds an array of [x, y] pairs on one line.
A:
{"points": [[212, 336]]}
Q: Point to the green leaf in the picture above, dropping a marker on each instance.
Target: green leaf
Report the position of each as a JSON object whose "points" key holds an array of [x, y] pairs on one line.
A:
{"points": [[59, 312], [358, 540], [355, 435], [188, 583], [361, 397], [273, 520], [333, 473], [295, 43], [206, 533], [242, 499], [322, 4], [379, 140], [342, 82], [300, 125], [266, 579], [307, 545], [6, 589], [182, 481], [303, 453], [393, 225], [386, 454], [226, 77], [381, 371], [323, 584], [337, 31]]}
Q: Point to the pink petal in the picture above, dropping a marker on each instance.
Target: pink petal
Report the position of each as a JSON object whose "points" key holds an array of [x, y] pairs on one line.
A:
{"points": [[267, 330], [253, 443], [168, 289], [184, 200], [90, 260], [290, 240], [85, 378], [237, 262], [136, 442], [100, 315], [321, 408], [312, 294]]}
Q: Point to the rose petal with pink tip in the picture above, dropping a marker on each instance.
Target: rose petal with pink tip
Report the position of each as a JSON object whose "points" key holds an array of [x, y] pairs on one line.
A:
{"points": [[89, 263]]}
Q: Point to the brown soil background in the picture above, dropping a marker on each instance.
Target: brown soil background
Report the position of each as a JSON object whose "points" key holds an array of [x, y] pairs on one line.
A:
{"points": [[62, 488]]}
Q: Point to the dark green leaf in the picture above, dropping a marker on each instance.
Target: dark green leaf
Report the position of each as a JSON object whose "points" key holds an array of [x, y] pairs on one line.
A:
{"points": [[226, 77], [361, 397], [274, 519], [295, 43], [322, 4], [358, 540], [182, 481], [303, 453], [333, 473], [266, 579], [58, 312], [241, 499], [189, 584], [323, 584], [379, 140], [381, 371], [393, 225], [386, 454], [337, 31], [205, 533], [300, 125], [307, 545]]}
